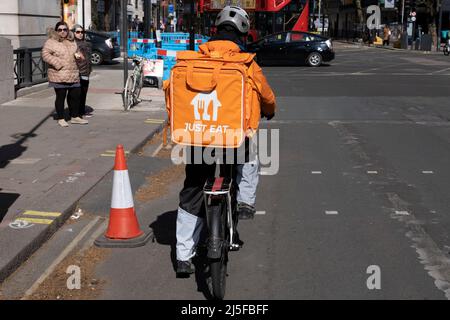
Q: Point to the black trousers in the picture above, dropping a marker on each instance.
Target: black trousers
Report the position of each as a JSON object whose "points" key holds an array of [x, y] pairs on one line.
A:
{"points": [[73, 101], [84, 91], [191, 196], [197, 172]]}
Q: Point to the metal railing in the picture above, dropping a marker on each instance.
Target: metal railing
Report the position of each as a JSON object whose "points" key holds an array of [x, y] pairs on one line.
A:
{"points": [[29, 68]]}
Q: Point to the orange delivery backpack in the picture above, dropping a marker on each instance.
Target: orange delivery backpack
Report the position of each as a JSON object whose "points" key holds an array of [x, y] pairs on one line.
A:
{"points": [[210, 98]]}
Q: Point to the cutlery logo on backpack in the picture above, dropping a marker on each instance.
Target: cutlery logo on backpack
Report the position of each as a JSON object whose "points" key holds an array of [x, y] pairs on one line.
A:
{"points": [[202, 101]]}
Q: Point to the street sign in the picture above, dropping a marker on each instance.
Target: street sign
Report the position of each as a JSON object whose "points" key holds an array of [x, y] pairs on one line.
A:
{"points": [[171, 8], [389, 4]]}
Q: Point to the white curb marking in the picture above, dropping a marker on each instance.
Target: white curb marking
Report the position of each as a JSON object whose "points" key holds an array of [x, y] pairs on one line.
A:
{"points": [[157, 150]]}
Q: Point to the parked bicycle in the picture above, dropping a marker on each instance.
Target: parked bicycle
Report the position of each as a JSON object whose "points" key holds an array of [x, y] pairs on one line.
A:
{"points": [[134, 84], [136, 80], [221, 217]]}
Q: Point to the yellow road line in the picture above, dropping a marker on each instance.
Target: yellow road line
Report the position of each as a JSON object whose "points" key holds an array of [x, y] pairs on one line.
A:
{"points": [[37, 221], [41, 213], [155, 121]]}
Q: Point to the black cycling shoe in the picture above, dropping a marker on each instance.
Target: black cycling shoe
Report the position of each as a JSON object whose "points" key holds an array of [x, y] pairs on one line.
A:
{"points": [[185, 267], [245, 211]]}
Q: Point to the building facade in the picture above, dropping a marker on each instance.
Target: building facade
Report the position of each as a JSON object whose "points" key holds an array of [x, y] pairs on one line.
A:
{"points": [[106, 14], [25, 22], [348, 18]]}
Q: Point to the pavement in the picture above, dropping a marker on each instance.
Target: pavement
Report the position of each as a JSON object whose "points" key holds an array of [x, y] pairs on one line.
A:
{"points": [[46, 169], [386, 47]]}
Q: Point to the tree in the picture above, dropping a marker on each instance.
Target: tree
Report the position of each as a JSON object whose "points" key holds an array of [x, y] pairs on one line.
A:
{"points": [[359, 15], [432, 14]]}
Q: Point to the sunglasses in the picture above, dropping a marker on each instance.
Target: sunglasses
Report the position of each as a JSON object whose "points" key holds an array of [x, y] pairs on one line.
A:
{"points": [[79, 32], [62, 30]]}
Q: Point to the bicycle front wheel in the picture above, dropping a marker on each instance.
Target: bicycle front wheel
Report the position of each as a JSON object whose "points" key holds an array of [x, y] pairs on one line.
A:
{"points": [[218, 267], [128, 99]]}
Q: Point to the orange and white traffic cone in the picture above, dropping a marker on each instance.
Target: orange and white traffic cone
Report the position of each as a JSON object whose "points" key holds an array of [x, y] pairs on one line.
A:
{"points": [[123, 228]]}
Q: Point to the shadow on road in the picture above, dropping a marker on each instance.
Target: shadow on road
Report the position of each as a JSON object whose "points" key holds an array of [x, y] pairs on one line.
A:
{"points": [[6, 201], [164, 230], [14, 150]]}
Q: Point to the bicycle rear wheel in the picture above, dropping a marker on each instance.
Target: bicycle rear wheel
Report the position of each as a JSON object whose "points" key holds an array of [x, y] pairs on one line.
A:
{"points": [[128, 99], [218, 267], [138, 86]]}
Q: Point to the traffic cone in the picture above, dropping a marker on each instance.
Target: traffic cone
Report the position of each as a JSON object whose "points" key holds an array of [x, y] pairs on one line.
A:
{"points": [[123, 228]]}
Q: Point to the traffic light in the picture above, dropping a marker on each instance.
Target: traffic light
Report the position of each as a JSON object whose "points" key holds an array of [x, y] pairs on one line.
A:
{"points": [[66, 1]]}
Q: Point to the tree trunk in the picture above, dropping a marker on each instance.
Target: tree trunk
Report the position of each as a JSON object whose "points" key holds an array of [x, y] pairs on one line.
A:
{"points": [[359, 17], [431, 8], [359, 11], [433, 31]]}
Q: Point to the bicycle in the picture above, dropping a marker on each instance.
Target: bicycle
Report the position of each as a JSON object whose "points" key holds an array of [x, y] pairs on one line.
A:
{"points": [[221, 220], [134, 84]]}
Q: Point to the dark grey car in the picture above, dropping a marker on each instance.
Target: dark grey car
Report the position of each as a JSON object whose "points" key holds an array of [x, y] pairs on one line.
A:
{"points": [[293, 47], [104, 47]]}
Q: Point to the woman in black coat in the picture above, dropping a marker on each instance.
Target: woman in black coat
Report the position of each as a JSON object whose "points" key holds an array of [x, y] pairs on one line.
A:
{"points": [[84, 66]]}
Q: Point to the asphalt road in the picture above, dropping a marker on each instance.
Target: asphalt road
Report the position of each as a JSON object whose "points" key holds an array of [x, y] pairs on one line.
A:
{"points": [[362, 185], [363, 181]]}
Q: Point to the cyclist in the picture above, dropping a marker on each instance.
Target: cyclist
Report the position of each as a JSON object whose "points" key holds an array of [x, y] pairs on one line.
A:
{"points": [[232, 25]]}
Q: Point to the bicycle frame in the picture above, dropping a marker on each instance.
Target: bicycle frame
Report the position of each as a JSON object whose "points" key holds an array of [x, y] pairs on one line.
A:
{"points": [[132, 90]]}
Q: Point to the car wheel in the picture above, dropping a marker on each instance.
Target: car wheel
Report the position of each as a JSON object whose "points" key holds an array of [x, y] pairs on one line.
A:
{"points": [[96, 58], [314, 59]]}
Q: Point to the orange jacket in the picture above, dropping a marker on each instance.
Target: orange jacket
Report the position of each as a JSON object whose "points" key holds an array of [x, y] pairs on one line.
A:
{"points": [[263, 100]]}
